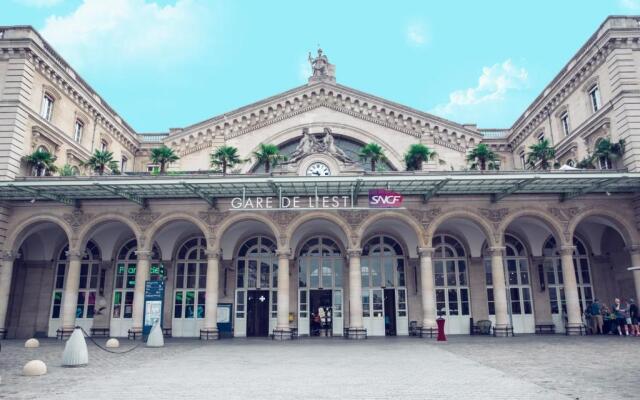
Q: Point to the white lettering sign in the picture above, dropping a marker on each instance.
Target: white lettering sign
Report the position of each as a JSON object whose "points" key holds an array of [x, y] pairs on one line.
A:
{"points": [[289, 202]]}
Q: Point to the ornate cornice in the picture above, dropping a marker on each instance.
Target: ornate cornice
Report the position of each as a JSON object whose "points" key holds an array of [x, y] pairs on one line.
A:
{"points": [[570, 79], [62, 77], [332, 96]]}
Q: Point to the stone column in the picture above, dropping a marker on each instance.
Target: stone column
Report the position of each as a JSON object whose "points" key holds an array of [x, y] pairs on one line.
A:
{"points": [[142, 275], [210, 329], [499, 291], [634, 251], [574, 318], [282, 330], [427, 289], [356, 326], [6, 274], [70, 296]]}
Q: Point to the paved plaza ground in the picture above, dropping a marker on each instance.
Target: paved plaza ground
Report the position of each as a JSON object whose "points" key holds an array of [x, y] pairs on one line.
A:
{"points": [[524, 367]]}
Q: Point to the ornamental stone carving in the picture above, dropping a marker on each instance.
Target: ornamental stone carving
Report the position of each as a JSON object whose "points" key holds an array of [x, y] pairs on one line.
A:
{"points": [[282, 218], [77, 218], [564, 214], [354, 217], [425, 217], [213, 218], [494, 215], [144, 217]]}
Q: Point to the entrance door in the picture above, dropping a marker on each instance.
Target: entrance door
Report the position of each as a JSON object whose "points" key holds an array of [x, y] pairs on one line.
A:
{"points": [[258, 313], [390, 312], [321, 321]]}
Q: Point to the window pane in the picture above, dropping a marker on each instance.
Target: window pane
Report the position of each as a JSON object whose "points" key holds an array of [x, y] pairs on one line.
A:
{"points": [[177, 309], [512, 272], [302, 272], [451, 273], [327, 272], [524, 272], [388, 271], [252, 273], [201, 304], [462, 273], [264, 275], [337, 265], [376, 275], [453, 301], [515, 300], [189, 304], [128, 305], [240, 274], [315, 272], [401, 278]]}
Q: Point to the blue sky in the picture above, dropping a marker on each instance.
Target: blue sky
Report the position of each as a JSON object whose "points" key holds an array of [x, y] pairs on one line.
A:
{"points": [[172, 63]]}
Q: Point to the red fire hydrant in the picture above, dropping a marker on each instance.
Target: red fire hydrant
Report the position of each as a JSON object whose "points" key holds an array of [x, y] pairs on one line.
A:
{"points": [[441, 336]]}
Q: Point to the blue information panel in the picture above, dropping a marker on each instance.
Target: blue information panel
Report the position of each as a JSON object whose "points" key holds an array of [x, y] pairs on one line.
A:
{"points": [[153, 305], [225, 322]]}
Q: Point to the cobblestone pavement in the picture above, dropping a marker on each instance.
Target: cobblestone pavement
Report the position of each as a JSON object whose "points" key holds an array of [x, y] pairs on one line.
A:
{"points": [[524, 367]]}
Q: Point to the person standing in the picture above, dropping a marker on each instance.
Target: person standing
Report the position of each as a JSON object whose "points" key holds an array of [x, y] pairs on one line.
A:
{"points": [[595, 309], [619, 311], [633, 315]]}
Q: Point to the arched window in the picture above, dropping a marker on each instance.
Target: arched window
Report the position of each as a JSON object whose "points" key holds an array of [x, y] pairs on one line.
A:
{"points": [[89, 282], [104, 145], [555, 282], [125, 277], [256, 268], [191, 279], [382, 263], [450, 275], [320, 264], [517, 277]]}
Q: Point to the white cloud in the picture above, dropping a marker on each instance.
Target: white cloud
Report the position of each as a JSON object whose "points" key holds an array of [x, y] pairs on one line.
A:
{"points": [[416, 33], [493, 86], [39, 3], [633, 5], [117, 32]]}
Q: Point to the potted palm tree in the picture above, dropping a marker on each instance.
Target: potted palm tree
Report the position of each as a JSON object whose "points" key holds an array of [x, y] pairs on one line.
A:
{"points": [[163, 155], [269, 154], [42, 162], [607, 152], [373, 153], [417, 154], [100, 161], [225, 157], [482, 157], [541, 153], [67, 170]]}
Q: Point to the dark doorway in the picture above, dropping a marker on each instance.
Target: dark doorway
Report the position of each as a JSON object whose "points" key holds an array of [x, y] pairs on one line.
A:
{"points": [[321, 321], [389, 312], [258, 313]]}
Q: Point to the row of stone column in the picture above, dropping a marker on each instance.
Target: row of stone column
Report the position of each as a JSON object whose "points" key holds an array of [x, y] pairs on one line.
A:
{"points": [[282, 330]]}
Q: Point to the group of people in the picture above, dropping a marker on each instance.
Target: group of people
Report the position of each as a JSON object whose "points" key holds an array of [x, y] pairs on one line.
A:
{"points": [[621, 318]]}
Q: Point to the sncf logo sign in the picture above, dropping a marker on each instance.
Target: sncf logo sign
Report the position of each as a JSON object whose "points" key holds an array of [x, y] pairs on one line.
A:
{"points": [[382, 198]]}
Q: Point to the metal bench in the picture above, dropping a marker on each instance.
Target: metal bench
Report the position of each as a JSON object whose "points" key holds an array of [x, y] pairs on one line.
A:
{"points": [[580, 330], [100, 332], [482, 327], [503, 331], [545, 329]]}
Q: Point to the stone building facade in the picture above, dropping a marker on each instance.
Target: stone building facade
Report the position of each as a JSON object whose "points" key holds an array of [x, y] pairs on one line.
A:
{"points": [[280, 252]]}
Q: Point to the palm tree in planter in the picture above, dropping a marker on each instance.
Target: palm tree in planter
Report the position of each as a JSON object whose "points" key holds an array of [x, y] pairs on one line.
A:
{"points": [[269, 154], [607, 153], [374, 153], [225, 157], [482, 157], [163, 155], [42, 162], [417, 154], [100, 161], [541, 153]]}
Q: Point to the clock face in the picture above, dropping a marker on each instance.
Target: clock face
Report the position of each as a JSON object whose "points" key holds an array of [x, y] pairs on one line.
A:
{"points": [[318, 169]]}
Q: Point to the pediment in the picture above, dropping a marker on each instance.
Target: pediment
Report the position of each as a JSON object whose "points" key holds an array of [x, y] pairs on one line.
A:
{"points": [[341, 99]]}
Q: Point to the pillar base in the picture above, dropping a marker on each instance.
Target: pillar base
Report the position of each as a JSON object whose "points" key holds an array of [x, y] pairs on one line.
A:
{"points": [[209, 334], [356, 333], [575, 330], [282, 334], [503, 331], [64, 333], [428, 332]]}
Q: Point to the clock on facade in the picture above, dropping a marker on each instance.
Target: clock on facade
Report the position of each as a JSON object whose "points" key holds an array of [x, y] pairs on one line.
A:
{"points": [[318, 169]]}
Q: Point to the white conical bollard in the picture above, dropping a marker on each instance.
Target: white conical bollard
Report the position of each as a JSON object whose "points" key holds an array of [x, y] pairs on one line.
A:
{"points": [[75, 351], [155, 338]]}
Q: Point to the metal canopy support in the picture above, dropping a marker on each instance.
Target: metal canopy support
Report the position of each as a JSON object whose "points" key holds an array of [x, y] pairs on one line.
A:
{"points": [[209, 199], [55, 197], [495, 197], [356, 192], [274, 187], [595, 186], [434, 190], [136, 199]]}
